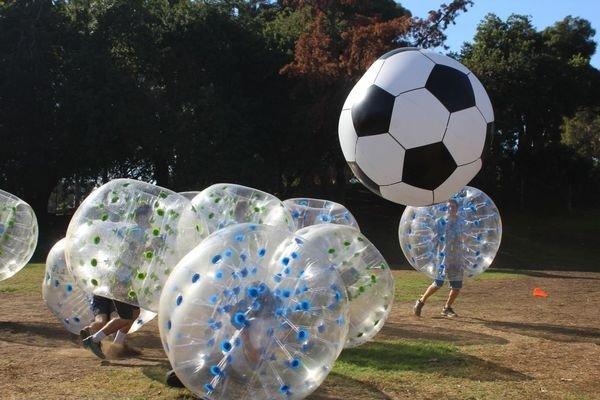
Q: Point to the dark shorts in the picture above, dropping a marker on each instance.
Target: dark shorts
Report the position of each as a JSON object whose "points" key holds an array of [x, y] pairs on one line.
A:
{"points": [[102, 305], [453, 284]]}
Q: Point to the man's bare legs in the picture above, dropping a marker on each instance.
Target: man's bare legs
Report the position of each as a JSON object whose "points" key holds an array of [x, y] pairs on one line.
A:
{"points": [[451, 297], [429, 292]]}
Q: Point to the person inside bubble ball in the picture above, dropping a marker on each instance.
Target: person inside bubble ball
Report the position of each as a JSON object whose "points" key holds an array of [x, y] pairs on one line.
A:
{"points": [[452, 269], [103, 307], [93, 334], [254, 316]]}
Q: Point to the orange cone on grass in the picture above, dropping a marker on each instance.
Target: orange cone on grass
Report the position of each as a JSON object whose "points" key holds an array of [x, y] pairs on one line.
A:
{"points": [[538, 292]]}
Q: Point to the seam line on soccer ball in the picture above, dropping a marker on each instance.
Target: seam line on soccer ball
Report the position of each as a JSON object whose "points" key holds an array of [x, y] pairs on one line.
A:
{"points": [[446, 128], [482, 116], [407, 91], [378, 71], [462, 165], [395, 140]]}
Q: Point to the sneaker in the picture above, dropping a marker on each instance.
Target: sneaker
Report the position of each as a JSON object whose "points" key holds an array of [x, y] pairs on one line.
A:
{"points": [[418, 307], [173, 380], [95, 347], [448, 312], [84, 334]]}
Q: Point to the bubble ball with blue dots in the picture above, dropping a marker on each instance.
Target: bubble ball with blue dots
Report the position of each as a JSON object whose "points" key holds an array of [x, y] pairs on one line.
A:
{"points": [[308, 212], [69, 303], [254, 312], [225, 204], [452, 240]]}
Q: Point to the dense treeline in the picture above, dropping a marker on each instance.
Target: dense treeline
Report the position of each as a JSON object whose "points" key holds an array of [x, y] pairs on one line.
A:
{"points": [[188, 93]]}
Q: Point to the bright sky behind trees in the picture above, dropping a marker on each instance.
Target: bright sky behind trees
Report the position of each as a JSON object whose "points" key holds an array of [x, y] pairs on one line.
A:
{"points": [[542, 12]]}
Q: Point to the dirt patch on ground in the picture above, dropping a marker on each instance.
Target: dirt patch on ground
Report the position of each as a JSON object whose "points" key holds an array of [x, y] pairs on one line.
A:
{"points": [[509, 345]]}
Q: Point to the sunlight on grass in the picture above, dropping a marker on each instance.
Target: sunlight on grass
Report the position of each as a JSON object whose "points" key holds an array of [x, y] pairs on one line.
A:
{"points": [[397, 356], [411, 284], [28, 280]]}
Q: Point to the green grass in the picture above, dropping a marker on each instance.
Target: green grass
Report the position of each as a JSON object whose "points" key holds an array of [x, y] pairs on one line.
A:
{"points": [[28, 280], [377, 358], [411, 284]]}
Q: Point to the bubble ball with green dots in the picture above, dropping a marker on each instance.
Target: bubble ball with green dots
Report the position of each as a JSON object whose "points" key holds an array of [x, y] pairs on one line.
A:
{"points": [[18, 234], [126, 237], [225, 204], [67, 301]]}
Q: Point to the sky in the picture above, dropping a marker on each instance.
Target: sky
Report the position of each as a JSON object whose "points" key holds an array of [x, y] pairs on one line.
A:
{"points": [[542, 12]]}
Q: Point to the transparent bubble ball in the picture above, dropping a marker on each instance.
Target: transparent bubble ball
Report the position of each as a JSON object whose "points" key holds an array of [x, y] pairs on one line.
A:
{"points": [[18, 234], [127, 236], [253, 312], [67, 301], [226, 204], [452, 245], [366, 275], [307, 212]]}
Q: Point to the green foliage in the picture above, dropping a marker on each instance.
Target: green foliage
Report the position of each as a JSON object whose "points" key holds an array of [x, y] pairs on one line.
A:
{"points": [[535, 79], [189, 93], [582, 133]]}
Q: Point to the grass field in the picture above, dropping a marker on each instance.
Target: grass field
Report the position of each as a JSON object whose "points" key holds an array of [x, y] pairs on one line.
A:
{"points": [[504, 344]]}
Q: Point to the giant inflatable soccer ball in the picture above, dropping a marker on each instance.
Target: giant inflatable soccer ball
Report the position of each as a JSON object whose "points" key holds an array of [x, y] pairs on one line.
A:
{"points": [[413, 128]]}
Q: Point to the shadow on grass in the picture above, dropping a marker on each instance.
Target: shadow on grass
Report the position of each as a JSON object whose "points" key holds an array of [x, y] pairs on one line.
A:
{"points": [[55, 335], [557, 333], [341, 387], [157, 372], [37, 334], [540, 274], [335, 387], [427, 357], [392, 331]]}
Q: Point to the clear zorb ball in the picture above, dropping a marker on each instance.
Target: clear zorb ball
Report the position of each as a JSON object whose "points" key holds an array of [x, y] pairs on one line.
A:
{"points": [[253, 312], [307, 212], [452, 240], [18, 234], [67, 301], [127, 236], [226, 204], [366, 275]]}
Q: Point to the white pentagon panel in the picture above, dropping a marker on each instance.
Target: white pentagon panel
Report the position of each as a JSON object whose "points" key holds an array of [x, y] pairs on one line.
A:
{"points": [[482, 100], [358, 91], [445, 60], [347, 135], [407, 70], [406, 194], [418, 119], [455, 182], [465, 135], [380, 158]]}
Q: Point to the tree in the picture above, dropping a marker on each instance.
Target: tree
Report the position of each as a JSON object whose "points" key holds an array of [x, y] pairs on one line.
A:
{"points": [[534, 78], [582, 133]]}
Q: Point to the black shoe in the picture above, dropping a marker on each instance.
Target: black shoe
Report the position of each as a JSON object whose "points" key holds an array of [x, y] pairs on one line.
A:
{"points": [[95, 347], [85, 333], [418, 307], [173, 380], [448, 312]]}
